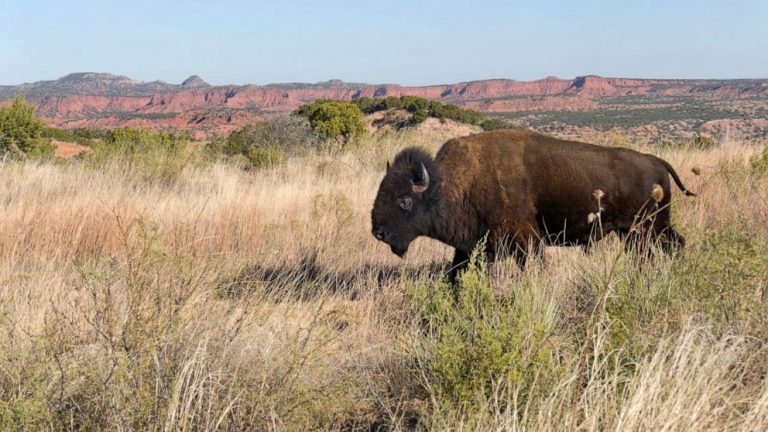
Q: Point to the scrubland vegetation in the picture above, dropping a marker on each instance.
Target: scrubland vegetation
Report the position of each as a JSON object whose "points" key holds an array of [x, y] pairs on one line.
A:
{"points": [[21, 133], [156, 284], [331, 118]]}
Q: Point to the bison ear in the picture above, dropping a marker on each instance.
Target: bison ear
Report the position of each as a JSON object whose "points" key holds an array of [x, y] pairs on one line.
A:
{"points": [[387, 166], [420, 180]]}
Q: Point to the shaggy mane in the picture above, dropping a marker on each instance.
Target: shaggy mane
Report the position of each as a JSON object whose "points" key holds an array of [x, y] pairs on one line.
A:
{"points": [[413, 155]]}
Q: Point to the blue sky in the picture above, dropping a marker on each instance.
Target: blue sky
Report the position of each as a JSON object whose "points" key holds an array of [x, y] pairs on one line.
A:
{"points": [[409, 42]]}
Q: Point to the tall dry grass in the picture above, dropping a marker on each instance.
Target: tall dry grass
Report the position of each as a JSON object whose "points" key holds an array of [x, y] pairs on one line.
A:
{"points": [[234, 300]]}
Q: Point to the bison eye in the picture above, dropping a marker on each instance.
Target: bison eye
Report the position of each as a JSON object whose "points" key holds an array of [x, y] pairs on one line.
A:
{"points": [[405, 203]]}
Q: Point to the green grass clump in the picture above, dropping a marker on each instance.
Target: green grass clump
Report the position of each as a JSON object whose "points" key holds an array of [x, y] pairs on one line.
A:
{"points": [[722, 277], [716, 280], [699, 143]]}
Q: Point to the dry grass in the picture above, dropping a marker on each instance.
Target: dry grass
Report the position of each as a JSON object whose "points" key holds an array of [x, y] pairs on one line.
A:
{"points": [[240, 300]]}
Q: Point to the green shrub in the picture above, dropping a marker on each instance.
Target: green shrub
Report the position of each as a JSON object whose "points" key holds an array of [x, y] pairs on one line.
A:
{"points": [[455, 113], [415, 104], [419, 116], [83, 136], [475, 343], [759, 162], [23, 405], [265, 157], [495, 123], [421, 109], [334, 119], [153, 155], [291, 134], [367, 105], [21, 133], [266, 143], [59, 134]]}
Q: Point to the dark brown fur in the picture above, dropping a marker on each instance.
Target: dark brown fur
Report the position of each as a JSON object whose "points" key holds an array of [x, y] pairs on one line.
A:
{"points": [[521, 189]]}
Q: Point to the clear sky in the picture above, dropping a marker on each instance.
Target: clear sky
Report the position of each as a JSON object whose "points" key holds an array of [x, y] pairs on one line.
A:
{"points": [[408, 42]]}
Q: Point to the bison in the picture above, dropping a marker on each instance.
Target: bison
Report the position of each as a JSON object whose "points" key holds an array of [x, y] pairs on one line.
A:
{"points": [[520, 190]]}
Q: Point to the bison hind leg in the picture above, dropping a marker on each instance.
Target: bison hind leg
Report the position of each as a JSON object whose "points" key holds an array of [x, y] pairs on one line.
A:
{"points": [[664, 234], [671, 240], [641, 242]]}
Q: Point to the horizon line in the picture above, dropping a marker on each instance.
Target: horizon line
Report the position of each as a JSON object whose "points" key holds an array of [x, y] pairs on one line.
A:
{"points": [[330, 80]]}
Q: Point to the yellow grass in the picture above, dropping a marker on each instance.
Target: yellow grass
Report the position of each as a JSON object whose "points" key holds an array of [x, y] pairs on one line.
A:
{"points": [[237, 300]]}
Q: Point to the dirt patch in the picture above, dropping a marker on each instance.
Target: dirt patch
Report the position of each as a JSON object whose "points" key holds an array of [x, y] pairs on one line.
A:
{"points": [[448, 128], [68, 150]]}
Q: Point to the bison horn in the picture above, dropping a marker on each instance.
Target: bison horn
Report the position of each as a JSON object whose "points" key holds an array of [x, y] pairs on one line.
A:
{"points": [[421, 183]]}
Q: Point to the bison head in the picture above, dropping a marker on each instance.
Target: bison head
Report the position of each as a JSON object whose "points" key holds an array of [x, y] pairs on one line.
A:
{"points": [[401, 211]]}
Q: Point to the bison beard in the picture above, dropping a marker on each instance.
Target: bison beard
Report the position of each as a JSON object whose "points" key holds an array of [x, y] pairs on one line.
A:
{"points": [[520, 190]]}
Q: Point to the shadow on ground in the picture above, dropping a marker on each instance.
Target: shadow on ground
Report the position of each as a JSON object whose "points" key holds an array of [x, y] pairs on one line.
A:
{"points": [[308, 279]]}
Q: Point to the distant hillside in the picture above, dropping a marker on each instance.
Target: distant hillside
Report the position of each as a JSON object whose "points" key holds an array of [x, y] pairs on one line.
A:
{"points": [[94, 84], [648, 108]]}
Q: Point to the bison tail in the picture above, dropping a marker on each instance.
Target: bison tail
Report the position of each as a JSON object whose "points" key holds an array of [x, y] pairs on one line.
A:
{"points": [[676, 178]]}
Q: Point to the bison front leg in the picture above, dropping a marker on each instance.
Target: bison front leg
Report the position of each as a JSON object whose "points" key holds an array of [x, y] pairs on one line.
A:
{"points": [[459, 263], [523, 244], [523, 251]]}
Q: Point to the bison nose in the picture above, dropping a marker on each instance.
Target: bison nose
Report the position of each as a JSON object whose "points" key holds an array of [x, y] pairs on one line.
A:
{"points": [[379, 233]]}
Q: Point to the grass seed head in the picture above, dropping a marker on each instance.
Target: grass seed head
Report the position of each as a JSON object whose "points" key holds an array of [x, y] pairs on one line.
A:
{"points": [[657, 193], [598, 194]]}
